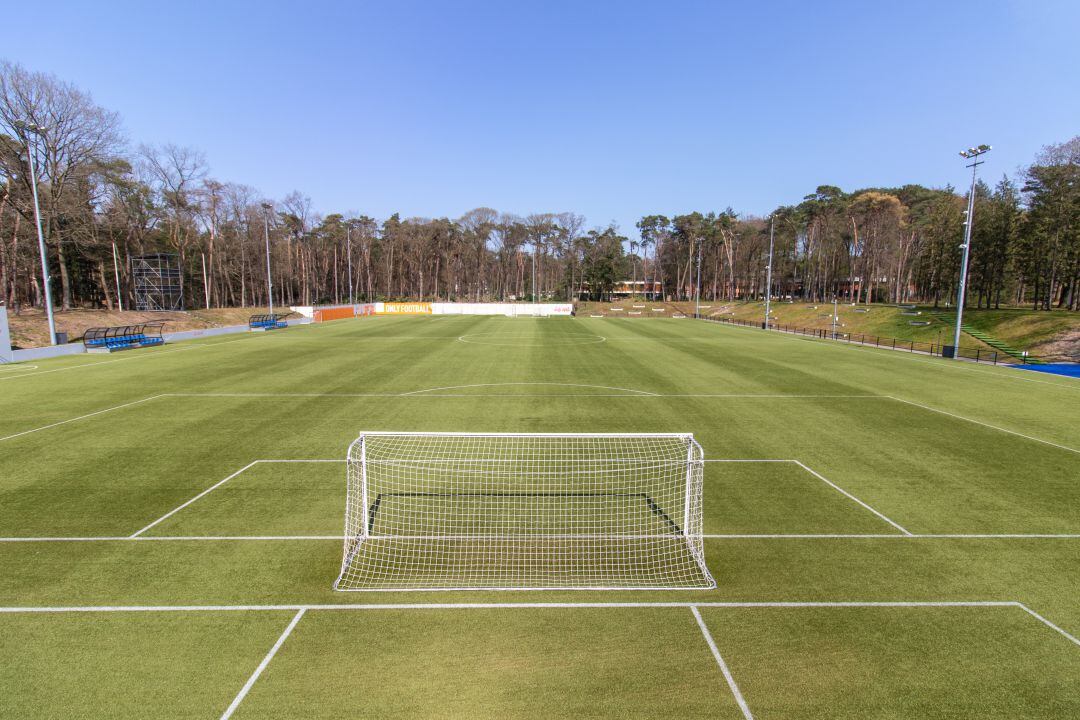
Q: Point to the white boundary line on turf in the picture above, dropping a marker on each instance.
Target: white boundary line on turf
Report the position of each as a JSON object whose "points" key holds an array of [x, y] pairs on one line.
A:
{"points": [[181, 507], [986, 425], [545, 384], [81, 417], [47, 610], [159, 353], [262, 666], [818, 475], [723, 665], [427, 394], [914, 357], [707, 536], [1071, 638], [430, 393], [218, 484], [513, 605], [102, 362], [848, 495]]}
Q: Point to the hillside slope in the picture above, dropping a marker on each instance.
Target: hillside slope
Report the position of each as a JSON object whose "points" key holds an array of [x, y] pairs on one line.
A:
{"points": [[1054, 335], [31, 329]]}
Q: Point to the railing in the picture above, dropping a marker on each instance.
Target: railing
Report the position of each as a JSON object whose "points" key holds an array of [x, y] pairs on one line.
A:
{"points": [[979, 355]]}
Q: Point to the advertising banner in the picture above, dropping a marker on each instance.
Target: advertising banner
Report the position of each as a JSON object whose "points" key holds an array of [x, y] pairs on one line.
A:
{"points": [[406, 308]]}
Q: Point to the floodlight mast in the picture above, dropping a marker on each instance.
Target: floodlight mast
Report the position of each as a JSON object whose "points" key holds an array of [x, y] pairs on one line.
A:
{"points": [[973, 155], [768, 276], [28, 129], [697, 294], [348, 249], [266, 234]]}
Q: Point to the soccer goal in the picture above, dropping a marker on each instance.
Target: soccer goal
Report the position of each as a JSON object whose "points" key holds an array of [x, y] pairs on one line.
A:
{"points": [[472, 511]]}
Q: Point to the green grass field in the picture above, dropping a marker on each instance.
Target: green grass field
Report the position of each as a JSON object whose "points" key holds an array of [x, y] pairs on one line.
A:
{"points": [[915, 554]]}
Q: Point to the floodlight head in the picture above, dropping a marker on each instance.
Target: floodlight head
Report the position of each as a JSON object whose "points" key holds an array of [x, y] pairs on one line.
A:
{"points": [[29, 127], [267, 206]]}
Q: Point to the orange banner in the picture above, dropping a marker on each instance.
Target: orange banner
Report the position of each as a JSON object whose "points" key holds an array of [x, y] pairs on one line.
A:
{"points": [[337, 313]]}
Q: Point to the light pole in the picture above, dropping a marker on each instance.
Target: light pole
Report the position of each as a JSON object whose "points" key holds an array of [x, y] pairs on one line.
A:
{"points": [[116, 272], [348, 249], [768, 276], [28, 129], [697, 294], [973, 155], [266, 234], [534, 298], [834, 317]]}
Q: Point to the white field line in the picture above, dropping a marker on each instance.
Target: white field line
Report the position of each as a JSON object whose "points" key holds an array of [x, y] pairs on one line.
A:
{"points": [[101, 362], [218, 484], [262, 666], [512, 606], [722, 536], [723, 665], [715, 536], [204, 492], [81, 417], [518, 384], [908, 356], [430, 394], [986, 425], [138, 357], [844, 492], [1071, 638], [626, 393], [875, 536]]}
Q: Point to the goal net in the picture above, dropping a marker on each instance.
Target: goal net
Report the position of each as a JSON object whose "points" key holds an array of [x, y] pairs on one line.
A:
{"points": [[442, 511]]}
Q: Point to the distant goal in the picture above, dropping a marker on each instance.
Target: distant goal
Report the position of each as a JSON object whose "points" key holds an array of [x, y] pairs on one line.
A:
{"points": [[470, 511]]}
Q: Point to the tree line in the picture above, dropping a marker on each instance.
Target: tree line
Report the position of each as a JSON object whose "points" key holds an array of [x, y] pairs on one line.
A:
{"points": [[104, 202]]}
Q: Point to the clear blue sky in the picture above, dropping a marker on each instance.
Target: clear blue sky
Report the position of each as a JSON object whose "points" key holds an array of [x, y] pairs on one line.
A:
{"points": [[610, 109]]}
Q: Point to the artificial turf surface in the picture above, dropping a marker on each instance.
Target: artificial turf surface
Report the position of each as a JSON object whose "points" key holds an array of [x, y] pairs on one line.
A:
{"points": [[922, 441]]}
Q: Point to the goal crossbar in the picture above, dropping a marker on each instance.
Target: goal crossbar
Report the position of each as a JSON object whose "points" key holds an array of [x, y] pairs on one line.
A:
{"points": [[502, 511]]}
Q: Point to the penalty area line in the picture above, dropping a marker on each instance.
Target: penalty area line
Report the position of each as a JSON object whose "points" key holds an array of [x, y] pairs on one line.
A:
{"points": [[845, 493], [513, 606], [262, 666], [81, 417], [215, 486], [706, 536], [986, 425], [723, 665], [1071, 638]]}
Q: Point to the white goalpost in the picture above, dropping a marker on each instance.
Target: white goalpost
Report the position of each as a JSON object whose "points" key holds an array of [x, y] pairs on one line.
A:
{"points": [[511, 511]]}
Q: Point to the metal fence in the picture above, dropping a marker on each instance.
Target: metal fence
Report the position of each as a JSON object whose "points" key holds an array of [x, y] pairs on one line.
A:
{"points": [[978, 355]]}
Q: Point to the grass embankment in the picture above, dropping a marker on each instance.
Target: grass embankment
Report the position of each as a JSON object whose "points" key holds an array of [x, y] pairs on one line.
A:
{"points": [[30, 328], [1054, 335]]}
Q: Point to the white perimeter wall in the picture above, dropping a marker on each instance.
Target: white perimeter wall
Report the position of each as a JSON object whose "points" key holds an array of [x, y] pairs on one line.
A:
{"points": [[5, 336], [507, 309]]}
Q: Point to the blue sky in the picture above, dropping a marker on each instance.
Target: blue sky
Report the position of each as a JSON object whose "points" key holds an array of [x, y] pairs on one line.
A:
{"points": [[610, 109]]}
